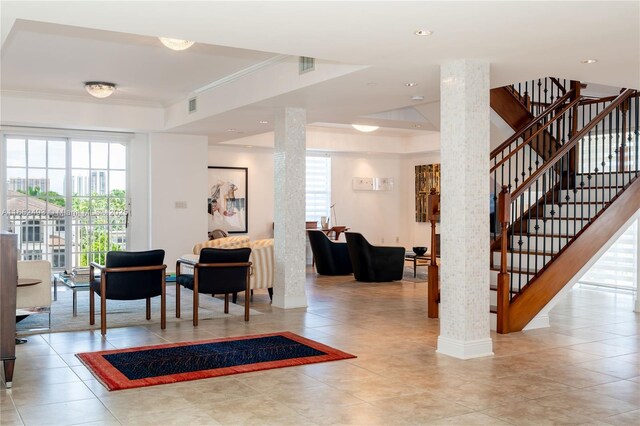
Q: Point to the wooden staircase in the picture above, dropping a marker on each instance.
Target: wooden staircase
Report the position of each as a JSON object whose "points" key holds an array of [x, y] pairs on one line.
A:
{"points": [[563, 185]]}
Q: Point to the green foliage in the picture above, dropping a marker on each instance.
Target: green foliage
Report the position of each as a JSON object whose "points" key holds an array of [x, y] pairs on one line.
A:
{"points": [[50, 196]]}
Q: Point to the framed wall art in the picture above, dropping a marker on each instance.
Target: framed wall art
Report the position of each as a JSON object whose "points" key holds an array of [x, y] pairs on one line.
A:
{"points": [[227, 199], [427, 177]]}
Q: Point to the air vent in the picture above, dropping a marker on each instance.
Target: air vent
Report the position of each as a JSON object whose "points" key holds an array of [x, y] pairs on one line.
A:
{"points": [[307, 64], [192, 105]]}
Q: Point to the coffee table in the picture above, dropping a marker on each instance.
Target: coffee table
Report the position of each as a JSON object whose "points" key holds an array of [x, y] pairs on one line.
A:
{"points": [[75, 286], [417, 259]]}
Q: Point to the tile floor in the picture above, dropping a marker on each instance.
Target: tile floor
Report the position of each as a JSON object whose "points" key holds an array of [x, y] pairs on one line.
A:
{"points": [[585, 369]]}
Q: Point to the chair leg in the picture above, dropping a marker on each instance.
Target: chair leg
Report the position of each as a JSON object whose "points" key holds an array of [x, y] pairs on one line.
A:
{"points": [[92, 307], [226, 303], [148, 308], [103, 315], [163, 303], [270, 290], [247, 298], [177, 300]]}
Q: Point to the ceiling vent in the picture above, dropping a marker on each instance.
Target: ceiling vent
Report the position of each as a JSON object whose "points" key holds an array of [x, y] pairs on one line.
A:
{"points": [[307, 64], [192, 105]]}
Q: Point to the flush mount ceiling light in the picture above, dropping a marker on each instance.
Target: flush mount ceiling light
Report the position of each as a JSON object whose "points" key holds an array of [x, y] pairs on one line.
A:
{"points": [[365, 128], [176, 43], [100, 89], [411, 84], [263, 122], [589, 61], [423, 32]]}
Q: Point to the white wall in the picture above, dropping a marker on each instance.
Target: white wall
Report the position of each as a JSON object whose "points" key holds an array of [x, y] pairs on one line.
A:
{"points": [[138, 193], [177, 173]]}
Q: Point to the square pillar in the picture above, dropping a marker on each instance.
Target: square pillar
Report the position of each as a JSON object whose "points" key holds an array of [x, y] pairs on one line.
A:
{"points": [[289, 216], [464, 228]]}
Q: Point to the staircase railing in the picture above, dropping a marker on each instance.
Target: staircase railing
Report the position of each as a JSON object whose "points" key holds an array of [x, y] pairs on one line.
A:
{"points": [[536, 95], [562, 195]]}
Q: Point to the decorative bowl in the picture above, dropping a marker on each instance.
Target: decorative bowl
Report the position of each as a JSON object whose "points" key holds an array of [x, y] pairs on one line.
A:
{"points": [[419, 250]]}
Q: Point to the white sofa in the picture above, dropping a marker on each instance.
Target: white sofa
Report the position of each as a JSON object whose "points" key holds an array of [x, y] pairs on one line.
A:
{"points": [[262, 258], [34, 298]]}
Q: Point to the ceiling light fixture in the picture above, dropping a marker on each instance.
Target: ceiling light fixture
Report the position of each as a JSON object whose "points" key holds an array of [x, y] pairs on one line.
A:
{"points": [[411, 84], [423, 32], [100, 89], [417, 98], [176, 43], [365, 128], [231, 130], [263, 122], [589, 61]]}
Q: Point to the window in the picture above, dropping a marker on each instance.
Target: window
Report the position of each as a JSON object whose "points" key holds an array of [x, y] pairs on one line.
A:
{"points": [[30, 232], [318, 187], [66, 197], [617, 267]]}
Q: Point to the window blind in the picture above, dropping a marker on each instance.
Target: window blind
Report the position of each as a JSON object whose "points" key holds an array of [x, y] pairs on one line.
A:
{"points": [[318, 187]]}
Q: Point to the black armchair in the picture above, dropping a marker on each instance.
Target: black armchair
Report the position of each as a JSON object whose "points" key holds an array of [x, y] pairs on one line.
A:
{"points": [[331, 258], [374, 263], [128, 275], [217, 271]]}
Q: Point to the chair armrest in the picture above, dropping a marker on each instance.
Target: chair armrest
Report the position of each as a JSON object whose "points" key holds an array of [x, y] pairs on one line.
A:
{"points": [[135, 268], [222, 265]]}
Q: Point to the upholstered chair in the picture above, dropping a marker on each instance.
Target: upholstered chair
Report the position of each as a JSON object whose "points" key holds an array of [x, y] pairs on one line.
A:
{"points": [[262, 265], [374, 263], [330, 257], [217, 271], [35, 298], [128, 276]]}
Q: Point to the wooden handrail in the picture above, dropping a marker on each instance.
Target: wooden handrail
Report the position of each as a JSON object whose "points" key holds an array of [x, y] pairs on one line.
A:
{"points": [[534, 135], [529, 126], [571, 143], [557, 83]]}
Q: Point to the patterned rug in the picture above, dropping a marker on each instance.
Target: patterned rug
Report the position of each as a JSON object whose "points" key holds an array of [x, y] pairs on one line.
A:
{"points": [[154, 365]]}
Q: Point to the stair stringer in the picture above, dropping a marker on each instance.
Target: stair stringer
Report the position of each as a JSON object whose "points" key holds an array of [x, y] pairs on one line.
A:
{"points": [[542, 319], [542, 289]]}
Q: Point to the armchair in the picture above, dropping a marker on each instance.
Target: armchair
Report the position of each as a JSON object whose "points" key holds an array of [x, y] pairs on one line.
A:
{"points": [[36, 296], [331, 258], [374, 263], [128, 276], [217, 271], [262, 265]]}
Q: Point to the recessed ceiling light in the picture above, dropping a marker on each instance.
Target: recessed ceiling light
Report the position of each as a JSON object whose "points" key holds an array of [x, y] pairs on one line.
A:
{"points": [[423, 32], [231, 130], [411, 84], [417, 98], [589, 61], [263, 122], [176, 43], [364, 128], [249, 146], [416, 126]]}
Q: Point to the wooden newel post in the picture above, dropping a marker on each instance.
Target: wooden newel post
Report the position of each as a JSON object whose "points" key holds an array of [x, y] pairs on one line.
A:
{"points": [[504, 287], [433, 211]]}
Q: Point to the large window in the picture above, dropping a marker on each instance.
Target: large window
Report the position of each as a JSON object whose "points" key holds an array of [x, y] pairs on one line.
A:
{"points": [[318, 187], [66, 197], [617, 267]]}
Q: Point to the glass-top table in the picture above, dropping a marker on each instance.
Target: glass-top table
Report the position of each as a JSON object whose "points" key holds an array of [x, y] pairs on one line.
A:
{"points": [[74, 284]]}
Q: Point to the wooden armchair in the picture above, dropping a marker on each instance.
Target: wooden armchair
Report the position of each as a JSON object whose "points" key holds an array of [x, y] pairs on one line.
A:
{"points": [[128, 276]]}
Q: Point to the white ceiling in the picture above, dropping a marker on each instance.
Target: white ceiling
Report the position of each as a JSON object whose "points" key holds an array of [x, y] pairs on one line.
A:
{"points": [[52, 47]]}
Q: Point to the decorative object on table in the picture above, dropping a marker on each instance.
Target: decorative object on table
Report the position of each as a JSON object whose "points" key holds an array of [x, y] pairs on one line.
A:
{"points": [[427, 177], [175, 362], [374, 263], [330, 258], [121, 269], [324, 222], [419, 250], [227, 199]]}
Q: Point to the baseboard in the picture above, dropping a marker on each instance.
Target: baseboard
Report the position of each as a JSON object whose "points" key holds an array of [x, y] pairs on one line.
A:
{"points": [[539, 321], [289, 302], [465, 349]]}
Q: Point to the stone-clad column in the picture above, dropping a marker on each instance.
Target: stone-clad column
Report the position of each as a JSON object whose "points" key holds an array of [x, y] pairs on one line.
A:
{"points": [[464, 306], [637, 301], [289, 231]]}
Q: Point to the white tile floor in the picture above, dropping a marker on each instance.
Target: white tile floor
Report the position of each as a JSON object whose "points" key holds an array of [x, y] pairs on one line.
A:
{"points": [[585, 369]]}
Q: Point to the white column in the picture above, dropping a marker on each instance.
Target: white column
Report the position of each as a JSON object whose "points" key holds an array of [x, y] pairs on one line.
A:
{"points": [[464, 122], [637, 301], [289, 232]]}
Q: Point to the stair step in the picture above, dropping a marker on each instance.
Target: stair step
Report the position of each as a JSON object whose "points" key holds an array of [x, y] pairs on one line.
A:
{"points": [[514, 270], [600, 179], [577, 210], [493, 309], [494, 287], [525, 261], [537, 243], [556, 226]]}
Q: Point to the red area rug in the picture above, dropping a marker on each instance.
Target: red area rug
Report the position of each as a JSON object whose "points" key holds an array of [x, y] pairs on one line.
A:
{"points": [[176, 362]]}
